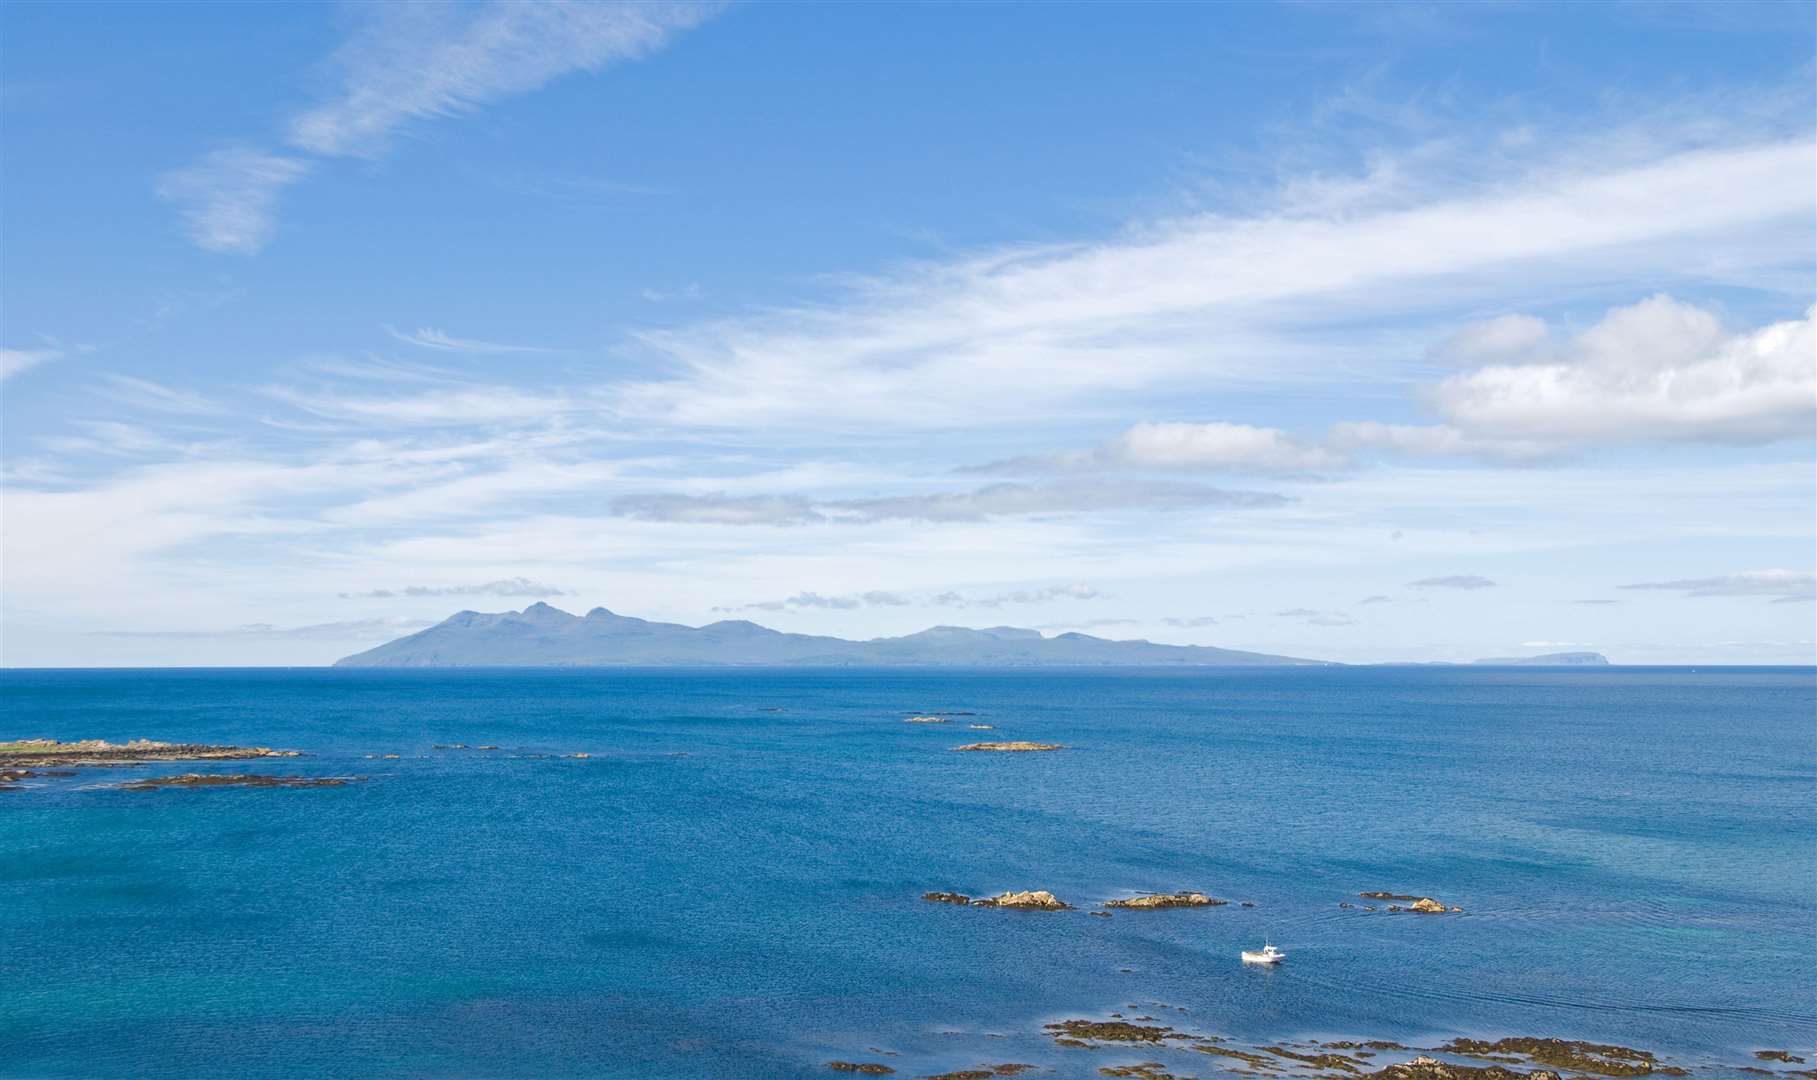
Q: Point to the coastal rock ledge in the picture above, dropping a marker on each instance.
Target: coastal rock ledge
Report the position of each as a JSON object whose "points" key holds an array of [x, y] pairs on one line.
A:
{"points": [[42, 753]]}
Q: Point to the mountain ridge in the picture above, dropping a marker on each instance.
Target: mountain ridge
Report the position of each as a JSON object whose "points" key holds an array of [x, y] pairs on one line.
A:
{"points": [[542, 635]]}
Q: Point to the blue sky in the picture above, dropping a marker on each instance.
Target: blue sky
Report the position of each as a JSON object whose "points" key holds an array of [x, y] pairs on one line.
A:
{"points": [[1365, 332]]}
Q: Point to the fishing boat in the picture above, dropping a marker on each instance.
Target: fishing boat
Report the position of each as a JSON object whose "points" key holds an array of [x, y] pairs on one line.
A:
{"points": [[1268, 955]]}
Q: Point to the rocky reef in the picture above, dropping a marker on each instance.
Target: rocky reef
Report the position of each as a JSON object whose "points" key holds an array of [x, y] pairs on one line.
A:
{"points": [[984, 1072], [41, 753], [216, 780], [1084, 1032], [1010, 747], [925, 720], [869, 1068], [1779, 1055], [1167, 900], [1599, 1058]]}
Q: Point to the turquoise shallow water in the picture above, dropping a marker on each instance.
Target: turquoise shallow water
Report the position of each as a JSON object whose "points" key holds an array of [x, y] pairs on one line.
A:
{"points": [[728, 885]]}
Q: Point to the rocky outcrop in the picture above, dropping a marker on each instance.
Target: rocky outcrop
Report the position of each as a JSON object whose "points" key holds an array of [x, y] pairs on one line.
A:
{"points": [[1010, 747], [1120, 1031], [214, 780], [985, 1072], [1426, 1068], [869, 1068], [1779, 1055], [946, 898], [1166, 900], [1033, 900], [1599, 1058], [38, 753], [925, 720], [1425, 905]]}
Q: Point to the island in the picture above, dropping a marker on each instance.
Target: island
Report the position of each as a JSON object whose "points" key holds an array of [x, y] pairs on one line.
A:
{"points": [[545, 636]]}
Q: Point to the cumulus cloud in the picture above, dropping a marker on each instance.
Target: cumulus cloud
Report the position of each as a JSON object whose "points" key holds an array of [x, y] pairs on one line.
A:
{"points": [[1784, 586], [996, 500], [1505, 339], [1658, 370], [517, 586], [1454, 581], [411, 62]]}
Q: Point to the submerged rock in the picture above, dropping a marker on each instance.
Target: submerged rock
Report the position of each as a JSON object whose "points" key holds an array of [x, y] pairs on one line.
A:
{"points": [[984, 1072], [1147, 1070], [1033, 900], [1779, 1055], [1010, 747], [204, 780], [1167, 900], [946, 897], [869, 1068]]}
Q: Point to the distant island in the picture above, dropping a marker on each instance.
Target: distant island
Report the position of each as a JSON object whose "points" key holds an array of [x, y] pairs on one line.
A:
{"points": [[1556, 659], [545, 636]]}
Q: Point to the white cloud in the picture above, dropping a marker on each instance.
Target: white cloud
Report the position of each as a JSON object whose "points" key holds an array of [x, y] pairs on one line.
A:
{"points": [[1785, 586], [1433, 440], [1202, 300], [228, 199], [409, 62], [1505, 339], [1214, 445], [430, 60], [1656, 371], [517, 586], [13, 361], [146, 394], [430, 338], [996, 500], [1453, 581]]}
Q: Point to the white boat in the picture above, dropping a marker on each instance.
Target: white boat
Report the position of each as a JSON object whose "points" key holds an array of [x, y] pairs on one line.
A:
{"points": [[1268, 955]]}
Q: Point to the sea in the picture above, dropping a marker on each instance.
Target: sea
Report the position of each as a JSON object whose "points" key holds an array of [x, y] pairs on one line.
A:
{"points": [[729, 882]]}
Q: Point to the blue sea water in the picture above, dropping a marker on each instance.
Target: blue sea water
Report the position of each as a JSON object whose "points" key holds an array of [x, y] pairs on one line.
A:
{"points": [[728, 886]]}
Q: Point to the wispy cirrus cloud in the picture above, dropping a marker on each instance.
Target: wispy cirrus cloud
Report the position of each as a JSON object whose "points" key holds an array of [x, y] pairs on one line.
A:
{"points": [[14, 361], [406, 63], [353, 630], [428, 337], [228, 199], [515, 587], [1784, 586], [996, 500], [950, 598]]}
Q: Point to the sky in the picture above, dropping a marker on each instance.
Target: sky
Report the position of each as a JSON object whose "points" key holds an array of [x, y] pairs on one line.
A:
{"points": [[1364, 332]]}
